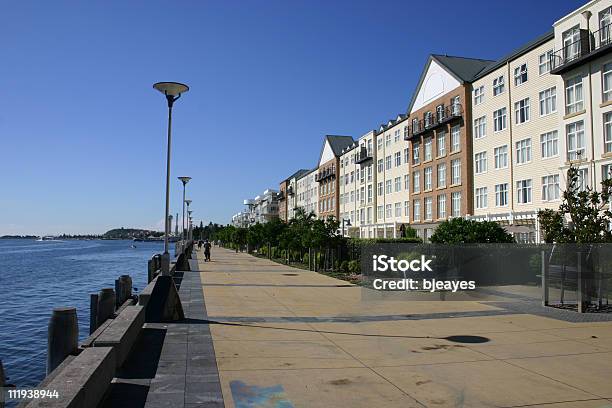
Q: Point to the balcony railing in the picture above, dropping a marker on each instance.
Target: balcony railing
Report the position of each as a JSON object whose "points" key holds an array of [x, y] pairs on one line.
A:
{"points": [[290, 191], [441, 117], [325, 174], [587, 47], [363, 156]]}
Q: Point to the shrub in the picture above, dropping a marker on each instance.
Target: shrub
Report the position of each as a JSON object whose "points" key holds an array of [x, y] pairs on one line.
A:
{"points": [[354, 267]]}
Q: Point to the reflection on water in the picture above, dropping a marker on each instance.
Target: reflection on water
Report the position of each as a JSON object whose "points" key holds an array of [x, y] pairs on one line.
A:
{"points": [[36, 276]]}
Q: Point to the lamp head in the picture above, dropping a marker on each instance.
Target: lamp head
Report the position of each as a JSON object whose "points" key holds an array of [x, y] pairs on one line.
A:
{"points": [[187, 202], [184, 179], [172, 90]]}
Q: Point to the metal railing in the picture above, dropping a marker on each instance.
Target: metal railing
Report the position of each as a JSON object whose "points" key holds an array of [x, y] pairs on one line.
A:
{"points": [[587, 43]]}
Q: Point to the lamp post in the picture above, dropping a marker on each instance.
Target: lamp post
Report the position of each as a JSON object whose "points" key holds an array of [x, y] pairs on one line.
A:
{"points": [[187, 219], [184, 180], [348, 224], [172, 91]]}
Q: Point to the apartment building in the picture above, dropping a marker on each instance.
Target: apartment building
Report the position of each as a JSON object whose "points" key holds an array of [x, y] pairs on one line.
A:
{"points": [[307, 196], [583, 63], [392, 178], [282, 200], [440, 134], [329, 163], [260, 209], [349, 190], [516, 157], [287, 196]]}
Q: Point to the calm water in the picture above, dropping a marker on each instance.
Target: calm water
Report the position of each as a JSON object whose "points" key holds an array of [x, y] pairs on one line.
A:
{"points": [[36, 276]]}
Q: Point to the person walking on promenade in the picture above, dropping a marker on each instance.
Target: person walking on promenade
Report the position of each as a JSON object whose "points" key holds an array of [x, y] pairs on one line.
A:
{"points": [[207, 251], [200, 244]]}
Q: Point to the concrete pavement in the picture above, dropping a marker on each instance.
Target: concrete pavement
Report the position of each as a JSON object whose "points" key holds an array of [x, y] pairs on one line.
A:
{"points": [[285, 337]]}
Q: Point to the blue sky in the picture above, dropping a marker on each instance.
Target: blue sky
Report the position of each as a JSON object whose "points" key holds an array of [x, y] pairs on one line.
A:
{"points": [[82, 132]]}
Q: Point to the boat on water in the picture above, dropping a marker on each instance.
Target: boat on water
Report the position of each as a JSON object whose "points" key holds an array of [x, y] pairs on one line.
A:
{"points": [[156, 239], [46, 238]]}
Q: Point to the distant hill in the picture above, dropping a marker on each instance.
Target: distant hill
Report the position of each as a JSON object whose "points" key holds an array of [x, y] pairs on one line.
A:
{"points": [[130, 233]]}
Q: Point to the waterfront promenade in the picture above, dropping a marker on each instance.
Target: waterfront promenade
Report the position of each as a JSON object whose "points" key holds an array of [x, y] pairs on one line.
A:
{"points": [[285, 337]]}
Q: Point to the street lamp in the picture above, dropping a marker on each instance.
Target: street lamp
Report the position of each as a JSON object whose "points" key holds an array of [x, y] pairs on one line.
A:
{"points": [[187, 225], [184, 180], [172, 91], [348, 224]]}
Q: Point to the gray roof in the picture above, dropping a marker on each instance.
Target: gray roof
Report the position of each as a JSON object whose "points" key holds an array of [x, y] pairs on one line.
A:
{"points": [[463, 69], [298, 174], [337, 143], [517, 53]]}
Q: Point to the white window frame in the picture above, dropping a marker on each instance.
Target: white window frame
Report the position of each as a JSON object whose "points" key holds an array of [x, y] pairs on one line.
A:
{"points": [[501, 195], [520, 74], [544, 62], [522, 111], [456, 204], [550, 188], [548, 101], [607, 132], [479, 95], [441, 206], [575, 140], [455, 138], [428, 178], [480, 162], [549, 144], [524, 191], [441, 143], [523, 151], [441, 172], [574, 95], [480, 127], [499, 85], [499, 153], [480, 197], [499, 119]]}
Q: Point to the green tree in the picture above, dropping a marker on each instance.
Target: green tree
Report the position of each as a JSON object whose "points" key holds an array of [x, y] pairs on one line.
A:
{"points": [[462, 231]]}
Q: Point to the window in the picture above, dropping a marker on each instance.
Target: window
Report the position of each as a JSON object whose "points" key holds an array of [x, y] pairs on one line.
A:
{"points": [[480, 162], [381, 165], [416, 181], [480, 127], [606, 77], [397, 135], [442, 206], [501, 195], [481, 197], [406, 132], [575, 140], [398, 159], [455, 138], [544, 60], [523, 191], [498, 85], [583, 179], [370, 172], [388, 211], [550, 187], [406, 208], [380, 212], [456, 171], [379, 143], [441, 175], [381, 190], [499, 119], [398, 209], [398, 184], [428, 119], [388, 162], [573, 95], [605, 19], [548, 101], [427, 149], [416, 210], [441, 143], [406, 155], [478, 95], [607, 132], [388, 186], [388, 140], [415, 153], [606, 171], [571, 43], [549, 143], [520, 74], [369, 215], [428, 175], [456, 204], [523, 151], [370, 198], [501, 157], [428, 208], [521, 111], [440, 113], [407, 182]]}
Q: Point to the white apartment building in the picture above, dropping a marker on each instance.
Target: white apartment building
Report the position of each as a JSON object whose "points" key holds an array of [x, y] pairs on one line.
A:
{"points": [[516, 150], [583, 63], [349, 191], [392, 178], [293, 191], [307, 196], [260, 209]]}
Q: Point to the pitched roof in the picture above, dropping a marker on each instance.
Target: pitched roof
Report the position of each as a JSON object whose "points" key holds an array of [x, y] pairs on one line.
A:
{"points": [[462, 68], [517, 53], [298, 174], [337, 143]]}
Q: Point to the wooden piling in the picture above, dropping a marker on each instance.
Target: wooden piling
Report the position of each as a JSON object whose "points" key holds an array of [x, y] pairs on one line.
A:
{"points": [[62, 336]]}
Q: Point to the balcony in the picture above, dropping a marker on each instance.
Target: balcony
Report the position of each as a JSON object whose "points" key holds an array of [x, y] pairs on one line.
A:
{"points": [[363, 156], [280, 196], [586, 48], [325, 174], [290, 191], [431, 122]]}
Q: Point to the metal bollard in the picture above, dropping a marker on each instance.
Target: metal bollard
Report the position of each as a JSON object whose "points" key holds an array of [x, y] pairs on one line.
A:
{"points": [[106, 305], [62, 336]]}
